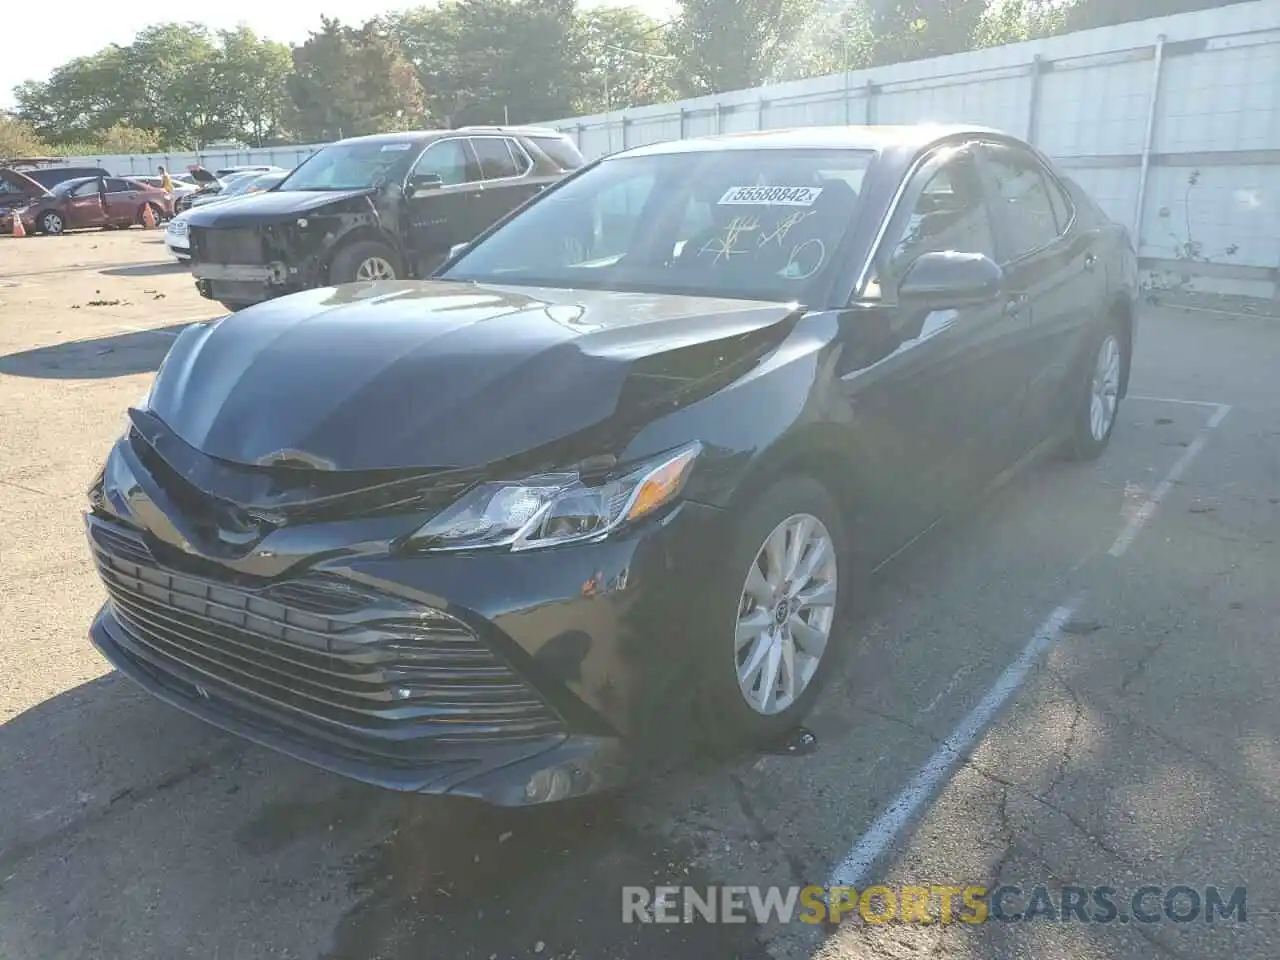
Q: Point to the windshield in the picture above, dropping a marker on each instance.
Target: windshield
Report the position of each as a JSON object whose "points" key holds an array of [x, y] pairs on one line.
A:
{"points": [[756, 224], [352, 166]]}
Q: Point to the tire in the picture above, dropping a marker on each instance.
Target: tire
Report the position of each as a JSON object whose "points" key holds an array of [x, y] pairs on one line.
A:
{"points": [[1091, 426], [731, 715], [354, 260], [233, 306], [52, 223]]}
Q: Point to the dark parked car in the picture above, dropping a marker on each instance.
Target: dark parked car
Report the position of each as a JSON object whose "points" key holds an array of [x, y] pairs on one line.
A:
{"points": [[94, 202], [618, 472], [381, 207], [49, 177]]}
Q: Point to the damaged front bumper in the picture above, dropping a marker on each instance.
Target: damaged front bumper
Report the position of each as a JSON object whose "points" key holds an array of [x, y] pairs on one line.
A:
{"points": [[249, 265], [514, 679]]}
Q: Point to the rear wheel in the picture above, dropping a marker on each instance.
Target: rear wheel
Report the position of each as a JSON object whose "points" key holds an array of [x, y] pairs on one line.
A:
{"points": [[774, 615], [1097, 402], [51, 222], [365, 260]]}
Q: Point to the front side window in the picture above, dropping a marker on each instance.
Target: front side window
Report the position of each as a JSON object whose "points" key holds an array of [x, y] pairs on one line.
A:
{"points": [[758, 224], [950, 214], [89, 188], [1022, 198], [120, 186], [447, 159], [353, 166]]}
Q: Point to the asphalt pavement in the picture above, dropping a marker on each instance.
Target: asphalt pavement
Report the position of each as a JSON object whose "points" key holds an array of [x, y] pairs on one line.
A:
{"points": [[1071, 686]]}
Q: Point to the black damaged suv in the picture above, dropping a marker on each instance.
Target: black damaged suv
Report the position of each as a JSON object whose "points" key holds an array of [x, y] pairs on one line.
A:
{"points": [[387, 206]]}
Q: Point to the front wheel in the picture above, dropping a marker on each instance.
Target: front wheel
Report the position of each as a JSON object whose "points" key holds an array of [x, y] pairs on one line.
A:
{"points": [[1097, 402], [52, 223], [774, 615], [365, 260]]}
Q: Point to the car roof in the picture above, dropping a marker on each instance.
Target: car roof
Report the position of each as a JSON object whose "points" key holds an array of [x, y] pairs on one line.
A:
{"points": [[425, 135], [910, 137]]}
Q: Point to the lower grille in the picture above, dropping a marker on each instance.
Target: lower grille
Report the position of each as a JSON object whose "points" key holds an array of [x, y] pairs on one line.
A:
{"points": [[243, 246], [319, 652]]}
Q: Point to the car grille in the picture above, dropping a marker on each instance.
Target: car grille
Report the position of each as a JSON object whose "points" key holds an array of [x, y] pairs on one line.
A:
{"points": [[227, 246], [319, 652]]}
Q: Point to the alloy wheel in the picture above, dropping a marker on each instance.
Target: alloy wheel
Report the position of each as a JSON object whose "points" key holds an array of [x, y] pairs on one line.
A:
{"points": [[785, 614], [52, 223], [1105, 391], [375, 268]]}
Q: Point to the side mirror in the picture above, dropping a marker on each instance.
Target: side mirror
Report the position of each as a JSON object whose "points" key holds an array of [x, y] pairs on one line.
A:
{"points": [[420, 184], [951, 279]]}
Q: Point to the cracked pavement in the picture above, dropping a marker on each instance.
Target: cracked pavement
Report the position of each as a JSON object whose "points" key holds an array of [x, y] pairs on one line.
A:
{"points": [[1143, 748]]}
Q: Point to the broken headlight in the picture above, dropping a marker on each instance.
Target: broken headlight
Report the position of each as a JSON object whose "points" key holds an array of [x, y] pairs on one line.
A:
{"points": [[556, 508]]}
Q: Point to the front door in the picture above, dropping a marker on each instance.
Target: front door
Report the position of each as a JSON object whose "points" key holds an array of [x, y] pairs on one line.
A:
{"points": [[447, 212], [85, 206], [947, 392]]}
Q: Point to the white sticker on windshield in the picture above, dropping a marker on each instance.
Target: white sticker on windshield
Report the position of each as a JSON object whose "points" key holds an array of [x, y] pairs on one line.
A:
{"points": [[772, 196], [390, 147]]}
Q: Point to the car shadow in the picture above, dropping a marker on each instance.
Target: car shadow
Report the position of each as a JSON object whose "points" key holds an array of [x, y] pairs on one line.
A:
{"points": [[126, 808], [119, 355], [147, 270]]}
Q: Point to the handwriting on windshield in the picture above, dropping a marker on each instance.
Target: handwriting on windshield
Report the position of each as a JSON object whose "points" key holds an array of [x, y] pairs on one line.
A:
{"points": [[784, 227], [725, 245]]}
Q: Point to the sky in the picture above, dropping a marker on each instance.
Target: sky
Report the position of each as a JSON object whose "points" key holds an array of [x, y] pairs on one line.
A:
{"points": [[81, 35]]}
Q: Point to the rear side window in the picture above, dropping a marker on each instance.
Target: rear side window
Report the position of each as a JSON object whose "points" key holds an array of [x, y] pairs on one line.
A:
{"points": [[561, 151], [496, 160]]}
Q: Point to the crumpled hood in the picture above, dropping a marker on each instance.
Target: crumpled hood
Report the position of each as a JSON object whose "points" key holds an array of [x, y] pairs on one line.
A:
{"points": [[272, 206], [435, 374]]}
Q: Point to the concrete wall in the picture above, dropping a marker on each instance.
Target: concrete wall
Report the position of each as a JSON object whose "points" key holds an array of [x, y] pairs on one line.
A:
{"points": [[1211, 88]]}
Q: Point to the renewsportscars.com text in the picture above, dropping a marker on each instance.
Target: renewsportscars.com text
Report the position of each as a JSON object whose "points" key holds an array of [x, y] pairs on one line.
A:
{"points": [[935, 903]]}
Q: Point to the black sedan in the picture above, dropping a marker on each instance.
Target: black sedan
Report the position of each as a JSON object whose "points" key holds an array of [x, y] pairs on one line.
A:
{"points": [[618, 471]]}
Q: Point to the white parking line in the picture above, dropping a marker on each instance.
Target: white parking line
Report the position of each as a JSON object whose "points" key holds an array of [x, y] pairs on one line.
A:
{"points": [[1190, 403], [1149, 506], [854, 870]]}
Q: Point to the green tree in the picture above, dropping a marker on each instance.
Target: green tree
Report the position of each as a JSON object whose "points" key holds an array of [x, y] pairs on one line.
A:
{"points": [[251, 77], [19, 139], [348, 81], [626, 60], [1085, 14], [735, 44], [915, 29], [490, 61]]}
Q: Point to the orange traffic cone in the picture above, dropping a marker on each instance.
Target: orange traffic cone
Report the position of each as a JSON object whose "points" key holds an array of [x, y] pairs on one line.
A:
{"points": [[148, 217], [18, 229]]}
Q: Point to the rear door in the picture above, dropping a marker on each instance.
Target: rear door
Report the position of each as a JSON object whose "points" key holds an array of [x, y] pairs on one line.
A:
{"points": [[123, 200], [1053, 266], [508, 173], [447, 213]]}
